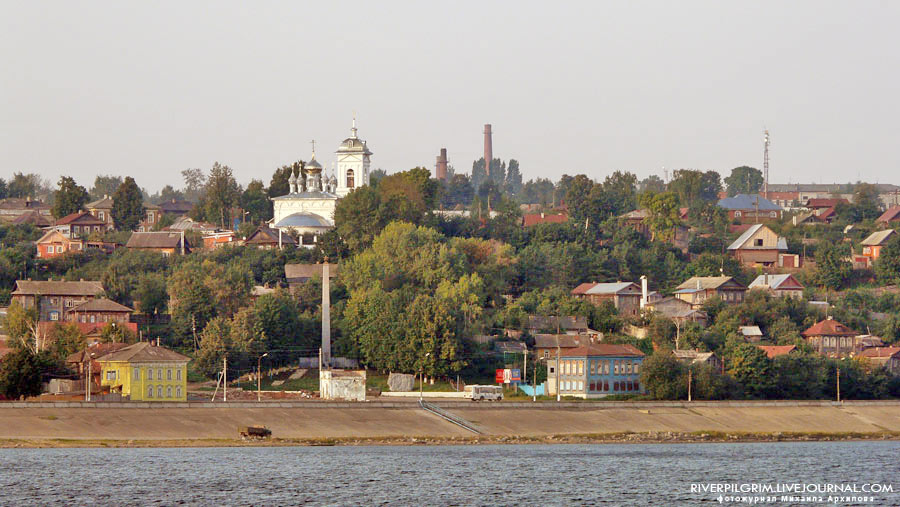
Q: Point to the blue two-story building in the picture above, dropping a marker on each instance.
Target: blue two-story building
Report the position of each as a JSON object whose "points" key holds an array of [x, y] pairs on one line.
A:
{"points": [[596, 371]]}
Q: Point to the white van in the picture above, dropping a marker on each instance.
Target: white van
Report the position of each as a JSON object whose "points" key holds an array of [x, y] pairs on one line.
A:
{"points": [[483, 392]]}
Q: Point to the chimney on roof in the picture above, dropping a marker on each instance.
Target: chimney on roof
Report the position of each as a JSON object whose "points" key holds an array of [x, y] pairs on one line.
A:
{"points": [[157, 341], [699, 285], [644, 294]]}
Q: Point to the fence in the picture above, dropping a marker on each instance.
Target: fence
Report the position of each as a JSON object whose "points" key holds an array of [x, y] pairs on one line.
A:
{"points": [[336, 362]]}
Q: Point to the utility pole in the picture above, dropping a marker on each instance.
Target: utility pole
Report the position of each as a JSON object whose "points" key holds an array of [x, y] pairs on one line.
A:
{"points": [[766, 166], [259, 377], [839, 385], [558, 371], [690, 378], [225, 378], [194, 332]]}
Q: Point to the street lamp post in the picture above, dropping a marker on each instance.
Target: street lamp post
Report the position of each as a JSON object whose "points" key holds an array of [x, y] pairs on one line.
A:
{"points": [[259, 376]]}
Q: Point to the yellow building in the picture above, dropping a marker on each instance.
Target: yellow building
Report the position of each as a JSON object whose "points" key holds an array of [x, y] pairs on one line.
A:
{"points": [[144, 372]]}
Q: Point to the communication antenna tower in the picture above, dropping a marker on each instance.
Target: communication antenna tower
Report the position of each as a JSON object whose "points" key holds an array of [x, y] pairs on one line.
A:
{"points": [[766, 166]]}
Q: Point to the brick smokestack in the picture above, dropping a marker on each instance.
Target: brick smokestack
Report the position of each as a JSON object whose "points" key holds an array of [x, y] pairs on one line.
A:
{"points": [[488, 149], [440, 169]]}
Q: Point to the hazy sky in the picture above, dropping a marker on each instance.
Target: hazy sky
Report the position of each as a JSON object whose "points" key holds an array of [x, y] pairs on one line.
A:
{"points": [[150, 88]]}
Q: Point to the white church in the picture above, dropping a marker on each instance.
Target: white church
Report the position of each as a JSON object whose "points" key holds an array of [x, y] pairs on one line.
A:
{"points": [[309, 207]]}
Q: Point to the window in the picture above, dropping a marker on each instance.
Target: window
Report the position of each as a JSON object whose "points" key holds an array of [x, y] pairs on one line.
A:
{"points": [[178, 377], [50, 249], [628, 367], [593, 386], [593, 369], [169, 374], [69, 303], [637, 386], [616, 367], [758, 242], [169, 392], [59, 249], [159, 375], [110, 374], [773, 214], [606, 367], [637, 367], [149, 390], [546, 354], [93, 318], [615, 386], [606, 385], [581, 367], [349, 178], [178, 392], [581, 385], [137, 374], [54, 315], [159, 392], [101, 215], [737, 214], [149, 373]]}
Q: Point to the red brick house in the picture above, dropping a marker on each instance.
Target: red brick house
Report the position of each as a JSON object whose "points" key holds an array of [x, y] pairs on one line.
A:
{"points": [[892, 215], [888, 357], [55, 243], [530, 219], [79, 225], [99, 310], [625, 296]]}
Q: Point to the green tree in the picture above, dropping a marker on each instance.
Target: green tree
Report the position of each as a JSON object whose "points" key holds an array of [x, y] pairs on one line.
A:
{"points": [[663, 376], [105, 186], [692, 186], [652, 183], [832, 267], [744, 180], [3, 189], [457, 190], [578, 199], [25, 185], [128, 205], [255, 201], [867, 201], [664, 214], [151, 294], [280, 183], [887, 266], [220, 194], [21, 373], [750, 367], [359, 217], [70, 198], [194, 181], [513, 178]]}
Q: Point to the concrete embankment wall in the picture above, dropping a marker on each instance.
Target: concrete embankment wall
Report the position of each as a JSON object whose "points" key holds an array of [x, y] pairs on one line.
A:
{"points": [[377, 419]]}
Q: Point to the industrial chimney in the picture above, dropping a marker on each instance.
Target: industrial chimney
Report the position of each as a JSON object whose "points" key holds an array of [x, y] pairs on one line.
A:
{"points": [[488, 149], [440, 169]]}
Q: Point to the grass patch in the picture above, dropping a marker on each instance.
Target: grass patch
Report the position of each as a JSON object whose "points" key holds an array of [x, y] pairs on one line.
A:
{"points": [[49, 417]]}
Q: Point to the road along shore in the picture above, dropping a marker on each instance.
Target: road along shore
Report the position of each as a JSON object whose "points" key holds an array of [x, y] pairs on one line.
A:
{"points": [[317, 422]]}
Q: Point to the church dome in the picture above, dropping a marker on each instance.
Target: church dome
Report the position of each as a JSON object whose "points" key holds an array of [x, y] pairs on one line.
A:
{"points": [[312, 164], [303, 219], [354, 145]]}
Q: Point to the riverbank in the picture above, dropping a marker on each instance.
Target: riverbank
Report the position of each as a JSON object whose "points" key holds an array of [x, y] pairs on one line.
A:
{"points": [[622, 438], [322, 423]]}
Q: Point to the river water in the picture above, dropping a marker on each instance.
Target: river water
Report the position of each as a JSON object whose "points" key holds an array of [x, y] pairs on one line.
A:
{"points": [[632, 474]]}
